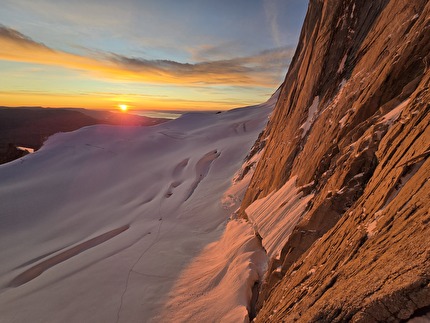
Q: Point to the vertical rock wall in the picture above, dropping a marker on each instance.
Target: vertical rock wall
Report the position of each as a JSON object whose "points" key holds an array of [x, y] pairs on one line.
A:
{"points": [[351, 127]]}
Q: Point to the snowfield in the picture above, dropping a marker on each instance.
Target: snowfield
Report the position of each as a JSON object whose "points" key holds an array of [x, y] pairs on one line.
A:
{"points": [[126, 224]]}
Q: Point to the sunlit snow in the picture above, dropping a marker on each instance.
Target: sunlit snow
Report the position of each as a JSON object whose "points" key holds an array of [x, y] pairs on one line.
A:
{"points": [[99, 224]]}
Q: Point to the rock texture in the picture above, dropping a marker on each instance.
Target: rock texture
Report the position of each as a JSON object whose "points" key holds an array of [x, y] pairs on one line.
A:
{"points": [[351, 126]]}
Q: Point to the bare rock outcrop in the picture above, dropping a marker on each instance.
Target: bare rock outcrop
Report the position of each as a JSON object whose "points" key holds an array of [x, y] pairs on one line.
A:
{"points": [[351, 126]]}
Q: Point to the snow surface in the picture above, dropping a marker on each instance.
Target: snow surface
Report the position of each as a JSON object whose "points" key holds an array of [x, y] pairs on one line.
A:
{"points": [[276, 215], [223, 266], [394, 114], [342, 121], [352, 11], [312, 110], [98, 225], [234, 194], [342, 64]]}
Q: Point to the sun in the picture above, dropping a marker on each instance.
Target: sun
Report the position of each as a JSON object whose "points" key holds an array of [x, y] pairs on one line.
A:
{"points": [[123, 107]]}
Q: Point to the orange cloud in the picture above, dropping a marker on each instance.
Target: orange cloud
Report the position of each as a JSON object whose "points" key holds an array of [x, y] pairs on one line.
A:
{"points": [[258, 70]]}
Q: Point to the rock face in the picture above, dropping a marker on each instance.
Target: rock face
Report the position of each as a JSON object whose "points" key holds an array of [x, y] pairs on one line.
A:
{"points": [[350, 136]]}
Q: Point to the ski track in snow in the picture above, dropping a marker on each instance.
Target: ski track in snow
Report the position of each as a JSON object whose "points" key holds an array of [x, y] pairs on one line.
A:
{"points": [[202, 169], [38, 269], [99, 224]]}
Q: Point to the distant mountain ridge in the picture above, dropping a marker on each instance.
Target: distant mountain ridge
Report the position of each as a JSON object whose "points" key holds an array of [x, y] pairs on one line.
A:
{"points": [[31, 126], [340, 196]]}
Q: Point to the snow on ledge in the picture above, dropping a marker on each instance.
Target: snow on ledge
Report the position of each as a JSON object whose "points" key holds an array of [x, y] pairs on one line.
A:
{"points": [[233, 196], [394, 114], [312, 110], [342, 64], [276, 215]]}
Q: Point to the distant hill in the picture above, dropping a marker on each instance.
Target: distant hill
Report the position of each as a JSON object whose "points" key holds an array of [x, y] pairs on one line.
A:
{"points": [[31, 126]]}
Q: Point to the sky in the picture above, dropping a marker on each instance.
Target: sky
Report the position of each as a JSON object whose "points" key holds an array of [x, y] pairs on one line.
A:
{"points": [[147, 54]]}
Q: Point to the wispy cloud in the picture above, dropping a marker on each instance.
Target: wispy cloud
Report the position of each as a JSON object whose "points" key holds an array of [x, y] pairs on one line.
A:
{"points": [[210, 52], [271, 10], [262, 69]]}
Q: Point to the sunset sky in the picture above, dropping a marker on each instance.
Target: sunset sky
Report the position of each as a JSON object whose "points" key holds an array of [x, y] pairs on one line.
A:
{"points": [[148, 54]]}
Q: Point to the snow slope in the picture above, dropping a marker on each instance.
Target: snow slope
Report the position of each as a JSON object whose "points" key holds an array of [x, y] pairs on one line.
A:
{"points": [[218, 285], [98, 224]]}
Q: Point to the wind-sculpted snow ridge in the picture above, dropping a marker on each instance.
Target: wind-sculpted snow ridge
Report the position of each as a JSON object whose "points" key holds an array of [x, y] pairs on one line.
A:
{"points": [[275, 216], [98, 224], [218, 284]]}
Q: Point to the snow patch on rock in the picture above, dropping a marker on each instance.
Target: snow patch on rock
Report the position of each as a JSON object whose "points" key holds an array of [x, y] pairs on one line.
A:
{"points": [[275, 216], [233, 196], [312, 110], [342, 64], [394, 114]]}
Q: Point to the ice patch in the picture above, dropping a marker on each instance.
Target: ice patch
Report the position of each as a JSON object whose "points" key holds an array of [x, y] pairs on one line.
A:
{"points": [[234, 194], [311, 116], [342, 84], [342, 64], [352, 11], [342, 121], [359, 175]]}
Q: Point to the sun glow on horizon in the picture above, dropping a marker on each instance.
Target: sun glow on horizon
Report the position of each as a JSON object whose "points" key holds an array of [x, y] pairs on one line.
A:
{"points": [[123, 107]]}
